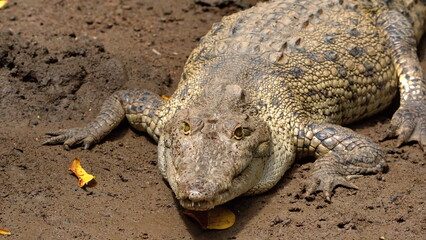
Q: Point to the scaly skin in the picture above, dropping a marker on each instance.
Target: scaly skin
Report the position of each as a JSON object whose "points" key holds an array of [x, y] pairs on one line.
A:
{"points": [[273, 83]]}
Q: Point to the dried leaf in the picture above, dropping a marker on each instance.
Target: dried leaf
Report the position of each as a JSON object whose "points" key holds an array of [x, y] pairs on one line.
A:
{"points": [[2, 3], [218, 218], [165, 97], [2, 231], [82, 175]]}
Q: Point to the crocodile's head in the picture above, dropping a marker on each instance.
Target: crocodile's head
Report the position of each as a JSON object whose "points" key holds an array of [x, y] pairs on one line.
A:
{"points": [[211, 154]]}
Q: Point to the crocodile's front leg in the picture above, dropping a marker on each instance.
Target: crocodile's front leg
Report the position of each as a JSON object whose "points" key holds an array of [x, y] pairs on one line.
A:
{"points": [[409, 121], [142, 109], [342, 155]]}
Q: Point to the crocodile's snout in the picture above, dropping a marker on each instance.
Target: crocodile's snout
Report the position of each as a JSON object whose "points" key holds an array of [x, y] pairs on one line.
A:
{"points": [[203, 174], [199, 187]]}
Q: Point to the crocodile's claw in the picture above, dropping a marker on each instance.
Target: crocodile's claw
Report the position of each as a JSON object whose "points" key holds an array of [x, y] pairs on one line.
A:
{"points": [[409, 124], [327, 183], [71, 138]]}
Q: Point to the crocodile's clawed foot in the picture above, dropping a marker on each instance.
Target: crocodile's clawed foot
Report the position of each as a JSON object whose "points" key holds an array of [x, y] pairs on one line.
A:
{"points": [[327, 183], [409, 124], [71, 138]]}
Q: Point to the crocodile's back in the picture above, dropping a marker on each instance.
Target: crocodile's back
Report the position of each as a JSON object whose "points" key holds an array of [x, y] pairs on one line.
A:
{"points": [[335, 59]]}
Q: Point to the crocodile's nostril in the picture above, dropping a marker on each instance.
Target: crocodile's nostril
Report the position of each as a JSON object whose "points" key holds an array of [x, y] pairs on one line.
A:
{"points": [[199, 190], [194, 195]]}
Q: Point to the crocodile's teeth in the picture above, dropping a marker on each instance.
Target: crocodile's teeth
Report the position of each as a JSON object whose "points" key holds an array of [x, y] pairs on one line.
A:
{"points": [[197, 206]]}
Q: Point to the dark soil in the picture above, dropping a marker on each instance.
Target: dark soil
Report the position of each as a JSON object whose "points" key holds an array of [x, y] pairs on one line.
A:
{"points": [[60, 59]]}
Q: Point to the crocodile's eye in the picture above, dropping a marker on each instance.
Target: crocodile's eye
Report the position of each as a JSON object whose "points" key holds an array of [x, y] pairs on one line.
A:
{"points": [[238, 133], [186, 128]]}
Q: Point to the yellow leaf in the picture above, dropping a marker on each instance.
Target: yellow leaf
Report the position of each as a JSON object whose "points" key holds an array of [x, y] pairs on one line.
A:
{"points": [[82, 175], [2, 231], [165, 97], [2, 3], [218, 218]]}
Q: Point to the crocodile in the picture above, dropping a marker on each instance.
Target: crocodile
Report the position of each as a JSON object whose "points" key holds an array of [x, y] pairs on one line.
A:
{"points": [[274, 83]]}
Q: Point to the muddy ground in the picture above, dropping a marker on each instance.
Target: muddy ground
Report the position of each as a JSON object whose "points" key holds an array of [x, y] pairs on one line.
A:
{"points": [[60, 59]]}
